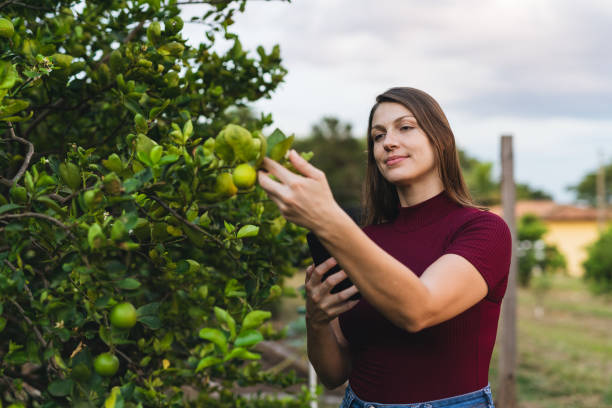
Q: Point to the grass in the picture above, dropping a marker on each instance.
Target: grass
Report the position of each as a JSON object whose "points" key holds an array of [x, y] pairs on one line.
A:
{"points": [[564, 345], [565, 350]]}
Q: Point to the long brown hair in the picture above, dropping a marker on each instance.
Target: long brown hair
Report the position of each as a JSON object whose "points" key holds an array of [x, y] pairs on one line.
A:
{"points": [[380, 202]]}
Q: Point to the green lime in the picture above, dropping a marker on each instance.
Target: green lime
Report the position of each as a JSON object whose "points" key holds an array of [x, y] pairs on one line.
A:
{"points": [[106, 364], [124, 316], [6, 28], [244, 176], [224, 185]]}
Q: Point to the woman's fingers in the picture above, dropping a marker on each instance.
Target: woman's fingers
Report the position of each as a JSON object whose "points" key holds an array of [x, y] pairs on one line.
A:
{"points": [[303, 166], [335, 311], [321, 303], [309, 272], [333, 279], [285, 175], [345, 294], [322, 268], [273, 188]]}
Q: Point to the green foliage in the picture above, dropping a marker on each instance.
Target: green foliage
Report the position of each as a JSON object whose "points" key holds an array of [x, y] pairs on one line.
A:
{"points": [[340, 155], [533, 252], [485, 189], [109, 170], [598, 265], [586, 189]]}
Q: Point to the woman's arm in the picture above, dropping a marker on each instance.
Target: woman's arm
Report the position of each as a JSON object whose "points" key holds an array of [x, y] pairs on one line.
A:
{"points": [[329, 357], [448, 287], [327, 347]]}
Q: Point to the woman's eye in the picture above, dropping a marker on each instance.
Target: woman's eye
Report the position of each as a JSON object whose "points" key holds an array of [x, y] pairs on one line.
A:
{"points": [[406, 127], [378, 136]]}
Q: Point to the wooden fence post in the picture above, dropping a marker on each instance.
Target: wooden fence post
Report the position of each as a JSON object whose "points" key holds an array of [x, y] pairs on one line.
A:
{"points": [[602, 205], [506, 393]]}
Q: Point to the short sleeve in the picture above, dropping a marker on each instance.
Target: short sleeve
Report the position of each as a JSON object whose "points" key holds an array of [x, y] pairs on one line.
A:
{"points": [[485, 241]]}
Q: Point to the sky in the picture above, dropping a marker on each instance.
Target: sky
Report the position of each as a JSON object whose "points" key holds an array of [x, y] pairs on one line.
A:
{"points": [[538, 70]]}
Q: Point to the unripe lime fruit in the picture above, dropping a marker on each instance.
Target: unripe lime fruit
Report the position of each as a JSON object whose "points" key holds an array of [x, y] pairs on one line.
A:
{"points": [[81, 372], [106, 364], [6, 28], [224, 185], [244, 176], [124, 316]]}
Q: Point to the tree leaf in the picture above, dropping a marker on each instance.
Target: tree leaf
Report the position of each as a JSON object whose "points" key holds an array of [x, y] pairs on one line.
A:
{"points": [[248, 338], [229, 227], [114, 400], [224, 317], [242, 354], [215, 336], [152, 322], [60, 388], [248, 231], [278, 151], [233, 288], [9, 207], [207, 362], [129, 284], [254, 319], [167, 159]]}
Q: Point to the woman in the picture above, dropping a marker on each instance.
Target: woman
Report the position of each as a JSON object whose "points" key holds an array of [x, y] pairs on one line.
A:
{"points": [[431, 267]]}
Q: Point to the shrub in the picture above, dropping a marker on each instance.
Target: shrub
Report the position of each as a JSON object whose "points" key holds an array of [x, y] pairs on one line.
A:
{"points": [[114, 188], [598, 265], [533, 252]]}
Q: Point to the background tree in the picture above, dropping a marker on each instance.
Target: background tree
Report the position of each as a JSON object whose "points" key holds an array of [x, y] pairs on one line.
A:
{"points": [[136, 255], [485, 188], [598, 265], [586, 189], [533, 252], [341, 156]]}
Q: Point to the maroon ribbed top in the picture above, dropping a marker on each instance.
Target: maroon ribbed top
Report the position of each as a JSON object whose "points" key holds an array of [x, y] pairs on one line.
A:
{"points": [[391, 365]]}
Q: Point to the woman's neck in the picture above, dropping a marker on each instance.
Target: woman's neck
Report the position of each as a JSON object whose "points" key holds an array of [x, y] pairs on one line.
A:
{"points": [[417, 193]]}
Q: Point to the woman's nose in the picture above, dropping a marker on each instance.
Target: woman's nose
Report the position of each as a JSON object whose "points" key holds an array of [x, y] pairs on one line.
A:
{"points": [[390, 140]]}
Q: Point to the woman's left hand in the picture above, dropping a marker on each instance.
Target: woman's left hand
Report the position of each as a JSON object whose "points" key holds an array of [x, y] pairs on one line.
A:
{"points": [[304, 199]]}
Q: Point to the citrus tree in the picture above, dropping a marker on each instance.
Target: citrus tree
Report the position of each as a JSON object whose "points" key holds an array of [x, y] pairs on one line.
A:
{"points": [[137, 254]]}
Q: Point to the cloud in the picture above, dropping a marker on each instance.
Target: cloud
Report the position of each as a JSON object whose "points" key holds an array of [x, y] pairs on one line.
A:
{"points": [[539, 69], [470, 53]]}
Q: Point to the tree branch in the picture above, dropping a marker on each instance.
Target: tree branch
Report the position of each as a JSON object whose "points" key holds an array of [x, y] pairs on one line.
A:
{"points": [[126, 40], [25, 163], [42, 116], [29, 322], [18, 3], [187, 222], [26, 287], [38, 215]]}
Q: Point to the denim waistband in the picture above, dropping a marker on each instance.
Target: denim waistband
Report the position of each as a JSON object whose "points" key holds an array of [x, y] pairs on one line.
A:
{"points": [[479, 398]]}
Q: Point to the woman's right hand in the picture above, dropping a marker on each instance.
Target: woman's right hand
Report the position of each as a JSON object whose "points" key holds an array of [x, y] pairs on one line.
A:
{"points": [[322, 306]]}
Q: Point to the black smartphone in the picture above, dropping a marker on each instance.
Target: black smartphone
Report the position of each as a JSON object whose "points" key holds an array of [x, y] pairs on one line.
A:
{"points": [[319, 255]]}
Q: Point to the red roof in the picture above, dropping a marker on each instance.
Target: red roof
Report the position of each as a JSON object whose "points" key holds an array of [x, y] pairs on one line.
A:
{"points": [[549, 210]]}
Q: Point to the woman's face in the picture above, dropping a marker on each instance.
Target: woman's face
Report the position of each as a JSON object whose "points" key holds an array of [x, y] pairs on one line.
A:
{"points": [[402, 151]]}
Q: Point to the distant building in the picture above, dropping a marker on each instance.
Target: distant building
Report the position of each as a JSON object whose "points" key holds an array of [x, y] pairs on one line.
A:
{"points": [[571, 228]]}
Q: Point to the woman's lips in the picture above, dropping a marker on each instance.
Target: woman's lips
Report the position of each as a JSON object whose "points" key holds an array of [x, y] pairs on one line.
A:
{"points": [[393, 161]]}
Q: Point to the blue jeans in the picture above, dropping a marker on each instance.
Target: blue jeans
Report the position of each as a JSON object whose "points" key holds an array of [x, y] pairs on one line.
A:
{"points": [[477, 399]]}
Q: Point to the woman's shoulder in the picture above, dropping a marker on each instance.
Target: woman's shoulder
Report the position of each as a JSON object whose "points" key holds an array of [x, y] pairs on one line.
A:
{"points": [[476, 219], [478, 215]]}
